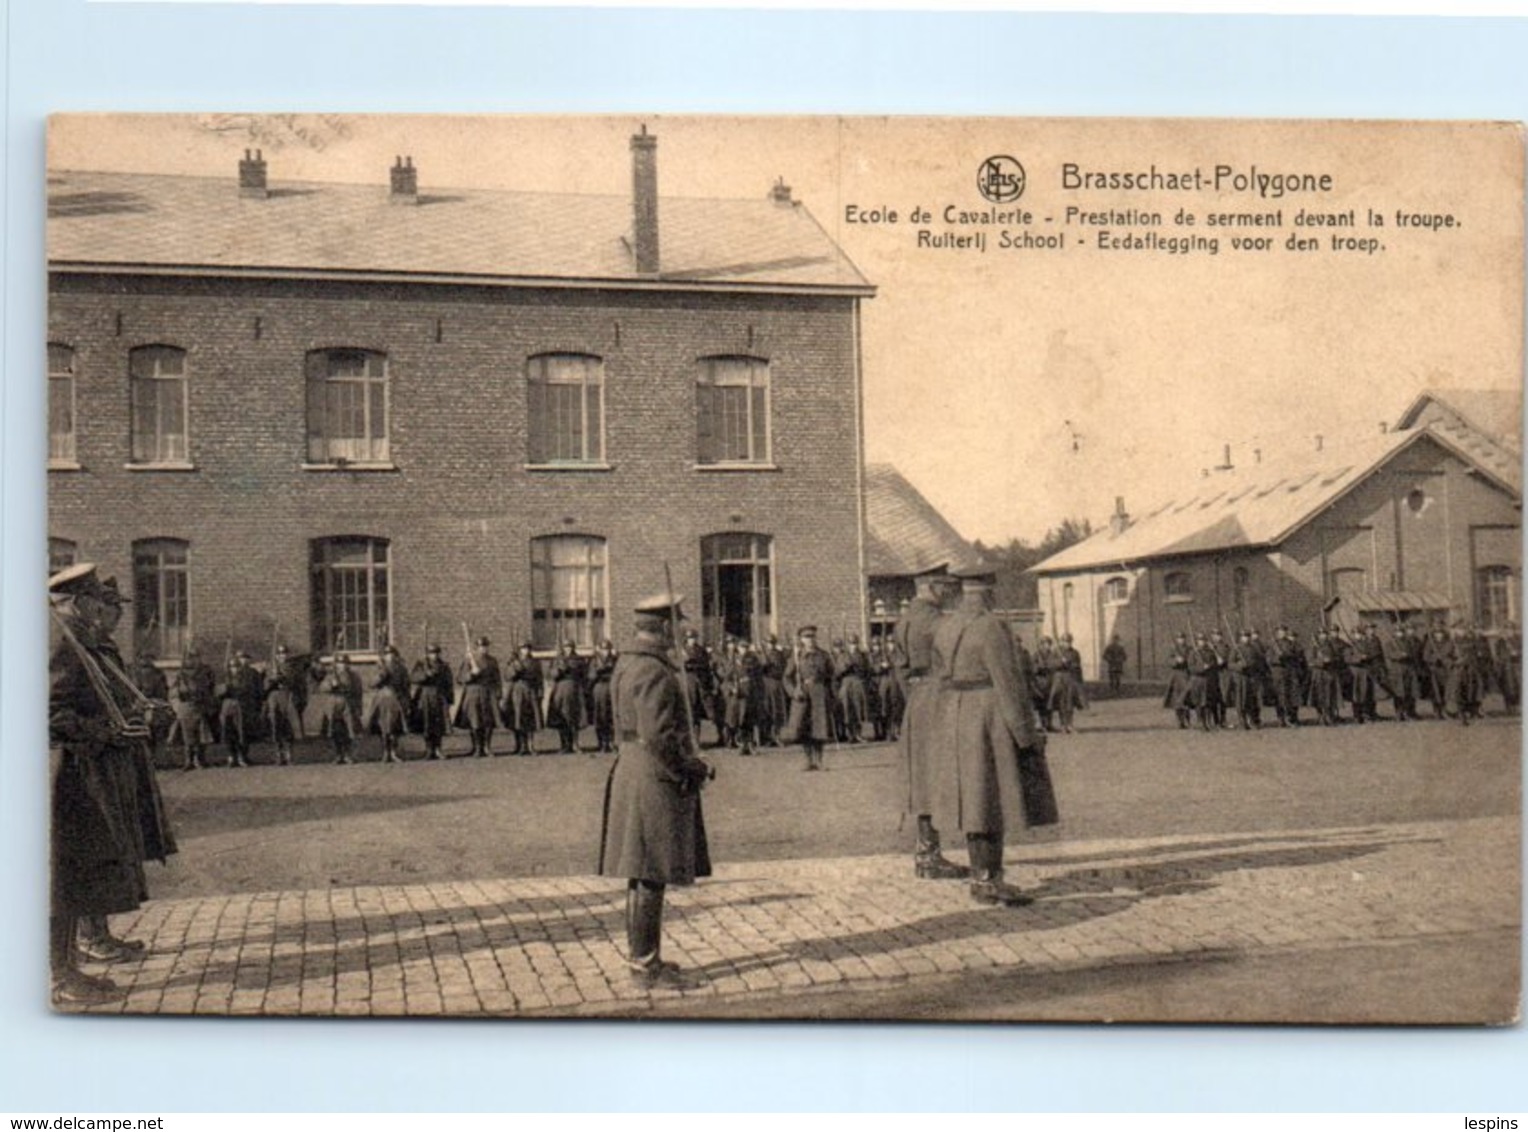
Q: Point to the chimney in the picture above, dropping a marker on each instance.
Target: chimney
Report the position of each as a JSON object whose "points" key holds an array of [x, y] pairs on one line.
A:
{"points": [[404, 182], [1320, 440], [780, 193], [252, 176], [644, 202], [1120, 520], [1257, 455], [1225, 464]]}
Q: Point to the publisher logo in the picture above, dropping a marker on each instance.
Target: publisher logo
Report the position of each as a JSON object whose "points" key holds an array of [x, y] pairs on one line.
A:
{"points": [[1000, 179]]}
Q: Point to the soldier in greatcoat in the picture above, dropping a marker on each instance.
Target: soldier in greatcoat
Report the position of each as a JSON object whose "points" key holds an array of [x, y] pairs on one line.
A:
{"points": [[1435, 654], [1245, 696], [107, 814], [852, 669], [601, 669], [1178, 682], [153, 683], [653, 832], [1402, 658], [566, 706], [890, 698], [1044, 663], [194, 702], [1507, 659], [339, 706], [239, 697], [1464, 675], [913, 635], [1066, 692], [777, 706], [1288, 667], [743, 696], [481, 684], [522, 699], [990, 777], [1204, 665], [433, 690], [699, 678], [1327, 664], [286, 697], [1368, 667], [388, 714], [1114, 659], [809, 682]]}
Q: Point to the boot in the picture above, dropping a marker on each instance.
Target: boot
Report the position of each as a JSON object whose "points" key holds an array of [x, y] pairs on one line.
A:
{"points": [[928, 862], [987, 885], [283, 756]]}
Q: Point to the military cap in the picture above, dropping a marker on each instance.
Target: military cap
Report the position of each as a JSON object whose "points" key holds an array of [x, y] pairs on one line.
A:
{"points": [[433, 650], [659, 609], [975, 574], [281, 650], [807, 631], [390, 648], [606, 644], [243, 655], [77, 579], [110, 592], [342, 658], [481, 642]]}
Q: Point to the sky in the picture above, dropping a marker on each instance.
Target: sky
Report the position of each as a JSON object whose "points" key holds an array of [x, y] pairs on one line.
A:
{"points": [[1019, 387]]}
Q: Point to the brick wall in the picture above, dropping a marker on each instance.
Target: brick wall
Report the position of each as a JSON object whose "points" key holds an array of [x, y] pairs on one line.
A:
{"points": [[460, 507]]}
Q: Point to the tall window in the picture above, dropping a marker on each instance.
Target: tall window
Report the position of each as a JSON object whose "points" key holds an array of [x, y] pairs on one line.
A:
{"points": [[1495, 597], [347, 407], [732, 406], [568, 590], [737, 586], [161, 597], [60, 404], [567, 422], [62, 554], [1178, 586], [350, 597], [1117, 591], [1241, 586], [160, 396]]}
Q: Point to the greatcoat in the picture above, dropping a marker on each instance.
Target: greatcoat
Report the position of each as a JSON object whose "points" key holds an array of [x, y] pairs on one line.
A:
{"points": [[653, 828], [914, 634], [809, 682]]}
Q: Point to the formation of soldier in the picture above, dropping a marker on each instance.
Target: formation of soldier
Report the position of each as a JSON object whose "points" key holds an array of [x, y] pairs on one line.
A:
{"points": [[1342, 677]]}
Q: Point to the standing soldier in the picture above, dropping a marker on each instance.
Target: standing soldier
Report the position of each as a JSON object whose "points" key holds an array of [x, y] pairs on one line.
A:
{"points": [[286, 696], [990, 777], [890, 699], [1222, 649], [339, 705], [195, 705], [107, 816], [1178, 659], [777, 705], [725, 670], [433, 692], [1399, 652], [653, 833], [389, 693], [567, 702], [1464, 675], [1327, 664], [1045, 663], [522, 699], [1507, 657], [1435, 659], [1066, 683], [151, 681], [1244, 691], [1368, 672], [481, 686], [699, 681], [1204, 664], [809, 681], [1288, 664], [913, 635], [745, 698], [1114, 663], [238, 708], [600, 673], [852, 667]]}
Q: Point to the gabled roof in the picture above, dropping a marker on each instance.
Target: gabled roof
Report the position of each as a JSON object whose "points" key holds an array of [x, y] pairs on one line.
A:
{"points": [[1254, 506], [904, 534], [1496, 412], [126, 221]]}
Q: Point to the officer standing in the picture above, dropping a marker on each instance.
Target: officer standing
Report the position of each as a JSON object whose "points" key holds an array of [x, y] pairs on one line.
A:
{"points": [[809, 682], [1177, 696], [390, 691], [195, 705], [433, 691], [600, 671], [914, 637], [653, 833], [286, 694], [990, 777]]}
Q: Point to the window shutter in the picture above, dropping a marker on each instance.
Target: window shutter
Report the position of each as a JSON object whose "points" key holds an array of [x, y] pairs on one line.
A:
{"points": [[706, 405], [317, 377]]}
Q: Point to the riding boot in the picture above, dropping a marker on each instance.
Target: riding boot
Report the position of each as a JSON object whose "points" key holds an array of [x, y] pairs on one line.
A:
{"points": [[928, 862], [987, 885], [644, 934]]}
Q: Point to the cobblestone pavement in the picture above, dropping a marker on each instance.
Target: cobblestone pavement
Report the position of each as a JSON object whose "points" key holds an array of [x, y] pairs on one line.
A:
{"points": [[800, 930]]}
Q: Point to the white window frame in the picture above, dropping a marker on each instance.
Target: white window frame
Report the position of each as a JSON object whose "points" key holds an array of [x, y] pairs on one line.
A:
{"points": [[324, 448], [161, 618], [165, 385], [323, 570], [1186, 588], [548, 371], [1487, 578], [584, 624], [60, 378], [734, 371]]}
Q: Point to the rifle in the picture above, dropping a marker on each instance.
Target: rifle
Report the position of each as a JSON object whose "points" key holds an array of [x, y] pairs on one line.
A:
{"points": [[689, 710], [467, 644]]}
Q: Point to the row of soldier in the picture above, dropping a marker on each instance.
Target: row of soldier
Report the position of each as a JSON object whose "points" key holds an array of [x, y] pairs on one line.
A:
{"points": [[1453, 670], [741, 689]]}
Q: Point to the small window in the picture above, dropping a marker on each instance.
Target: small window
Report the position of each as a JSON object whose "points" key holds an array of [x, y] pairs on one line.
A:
{"points": [[347, 407], [61, 450], [351, 594], [1416, 501], [568, 590], [62, 554], [160, 405], [567, 409], [161, 597], [1496, 597], [1117, 591], [732, 407], [1178, 586]]}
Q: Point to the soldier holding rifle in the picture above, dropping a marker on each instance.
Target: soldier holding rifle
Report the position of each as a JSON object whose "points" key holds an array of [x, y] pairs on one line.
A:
{"points": [[481, 686]]}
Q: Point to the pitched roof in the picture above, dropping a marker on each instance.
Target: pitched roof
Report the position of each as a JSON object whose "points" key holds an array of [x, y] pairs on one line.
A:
{"points": [[1258, 505], [904, 534], [119, 221], [1496, 412]]}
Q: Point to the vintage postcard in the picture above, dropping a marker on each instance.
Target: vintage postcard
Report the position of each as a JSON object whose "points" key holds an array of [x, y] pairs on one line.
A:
{"points": [[826, 567]]}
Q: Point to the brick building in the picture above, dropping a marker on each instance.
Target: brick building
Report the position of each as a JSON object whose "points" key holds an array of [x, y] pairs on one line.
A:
{"points": [[1408, 525], [348, 414]]}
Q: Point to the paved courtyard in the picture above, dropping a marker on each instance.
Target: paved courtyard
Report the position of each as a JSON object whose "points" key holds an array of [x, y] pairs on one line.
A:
{"points": [[852, 936]]}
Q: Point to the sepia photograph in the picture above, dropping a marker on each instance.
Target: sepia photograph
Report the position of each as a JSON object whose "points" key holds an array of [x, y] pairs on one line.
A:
{"points": [[752, 568]]}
